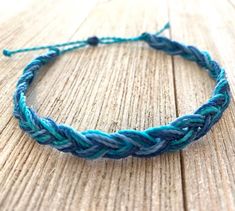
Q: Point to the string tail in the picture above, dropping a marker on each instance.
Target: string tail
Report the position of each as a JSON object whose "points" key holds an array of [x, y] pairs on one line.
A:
{"points": [[165, 27]]}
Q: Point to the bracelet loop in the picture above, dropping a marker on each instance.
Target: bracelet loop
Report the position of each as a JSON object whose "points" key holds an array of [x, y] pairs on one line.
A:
{"points": [[153, 141]]}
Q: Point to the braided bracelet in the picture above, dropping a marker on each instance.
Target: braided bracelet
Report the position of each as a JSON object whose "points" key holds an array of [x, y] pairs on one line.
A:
{"points": [[150, 142]]}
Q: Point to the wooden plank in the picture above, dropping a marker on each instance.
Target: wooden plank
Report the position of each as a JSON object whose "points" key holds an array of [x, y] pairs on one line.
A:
{"points": [[22, 34], [209, 170], [66, 27], [108, 88]]}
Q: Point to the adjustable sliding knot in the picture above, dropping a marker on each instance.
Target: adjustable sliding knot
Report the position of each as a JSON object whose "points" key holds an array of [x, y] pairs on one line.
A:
{"points": [[153, 141], [93, 41]]}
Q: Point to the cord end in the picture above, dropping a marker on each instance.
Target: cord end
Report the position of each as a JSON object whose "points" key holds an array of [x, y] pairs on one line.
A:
{"points": [[165, 27], [7, 52]]}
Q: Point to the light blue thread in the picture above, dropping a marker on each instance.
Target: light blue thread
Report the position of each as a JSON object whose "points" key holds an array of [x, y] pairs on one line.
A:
{"points": [[93, 144]]}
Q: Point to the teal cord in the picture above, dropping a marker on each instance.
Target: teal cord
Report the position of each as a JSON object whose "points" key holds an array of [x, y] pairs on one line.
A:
{"points": [[81, 43]]}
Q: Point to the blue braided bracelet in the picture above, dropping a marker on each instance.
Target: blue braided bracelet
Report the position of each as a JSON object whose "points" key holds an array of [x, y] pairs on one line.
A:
{"points": [[150, 142]]}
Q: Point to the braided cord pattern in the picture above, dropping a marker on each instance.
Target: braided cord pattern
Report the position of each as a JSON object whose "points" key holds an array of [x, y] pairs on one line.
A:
{"points": [[153, 141]]}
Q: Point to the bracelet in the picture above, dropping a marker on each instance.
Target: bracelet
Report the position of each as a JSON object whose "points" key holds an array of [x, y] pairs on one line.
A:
{"points": [[153, 141]]}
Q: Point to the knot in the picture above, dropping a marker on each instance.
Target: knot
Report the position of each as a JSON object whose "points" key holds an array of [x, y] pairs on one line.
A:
{"points": [[55, 50], [93, 41], [6, 52], [145, 36]]}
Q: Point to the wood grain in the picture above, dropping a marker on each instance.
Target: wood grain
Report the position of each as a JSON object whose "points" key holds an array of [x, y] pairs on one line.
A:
{"points": [[110, 88], [208, 166]]}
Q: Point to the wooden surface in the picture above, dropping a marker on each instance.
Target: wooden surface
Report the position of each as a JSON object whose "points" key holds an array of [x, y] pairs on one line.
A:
{"points": [[111, 88]]}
